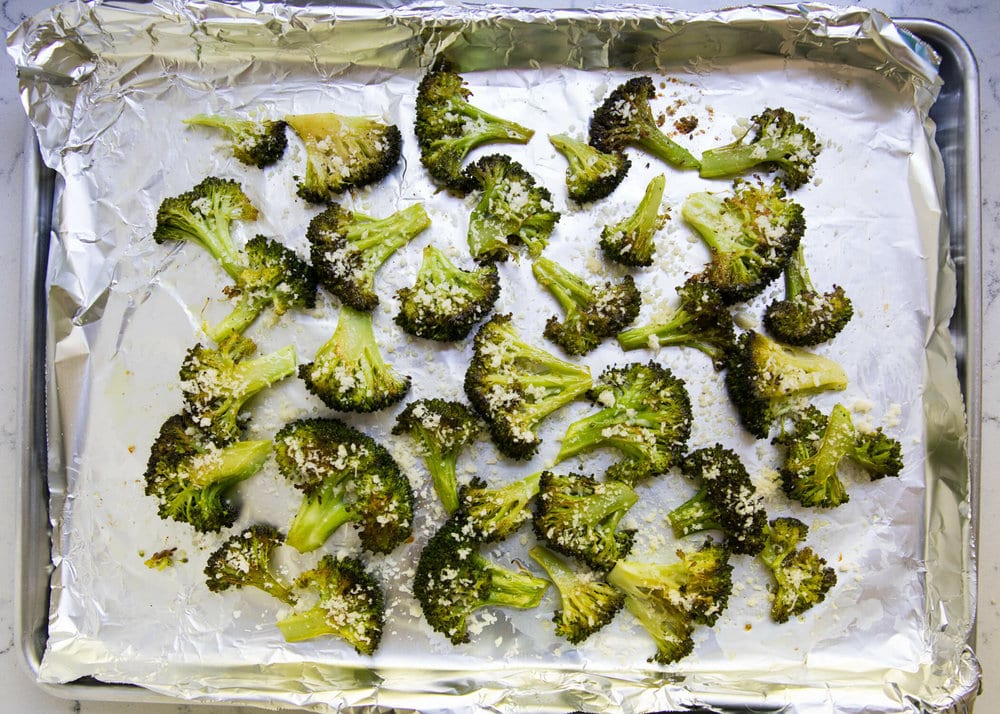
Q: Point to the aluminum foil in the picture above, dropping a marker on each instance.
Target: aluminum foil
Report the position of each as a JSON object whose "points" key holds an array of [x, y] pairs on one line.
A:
{"points": [[106, 86]]}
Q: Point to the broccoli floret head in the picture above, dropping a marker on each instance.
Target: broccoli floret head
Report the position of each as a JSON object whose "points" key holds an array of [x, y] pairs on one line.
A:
{"points": [[587, 602], [646, 416], [255, 143], [492, 514], [669, 600], [218, 382], [446, 301], [578, 516], [805, 316], [592, 312], [274, 277], [625, 119], [775, 139], [448, 127], [726, 501], [191, 476], [345, 476], [204, 216], [454, 579], [750, 235], [878, 454], [346, 601], [764, 376], [630, 241], [348, 248], [441, 429], [591, 174], [245, 560], [344, 152], [514, 385], [512, 210], [348, 373], [801, 577]]}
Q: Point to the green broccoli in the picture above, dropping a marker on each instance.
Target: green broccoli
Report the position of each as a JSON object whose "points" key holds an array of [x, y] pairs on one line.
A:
{"points": [[348, 373], [630, 241], [625, 119], [669, 600], [801, 578], [806, 317], [591, 174], [492, 514], [512, 210], [514, 385], [257, 143], [446, 302], [448, 127], [750, 234], [204, 216], [348, 248], [701, 321], [218, 382], [587, 602], [245, 560], [578, 516], [592, 312], [777, 140], [442, 429], [275, 277], [344, 152], [454, 580], [726, 501], [191, 477], [646, 415], [346, 602], [346, 477], [764, 376]]}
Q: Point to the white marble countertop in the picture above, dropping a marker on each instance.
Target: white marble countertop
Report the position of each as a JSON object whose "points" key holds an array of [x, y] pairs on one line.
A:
{"points": [[975, 20]]}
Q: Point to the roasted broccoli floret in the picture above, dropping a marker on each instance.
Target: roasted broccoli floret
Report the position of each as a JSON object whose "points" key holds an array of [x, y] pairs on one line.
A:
{"points": [[446, 301], [344, 152], [204, 216], [454, 580], [348, 373], [764, 376], [514, 385], [191, 477], [492, 514], [775, 139], [669, 600], [512, 210], [701, 321], [441, 429], [346, 602], [592, 312], [345, 477], [806, 317], [275, 277], [646, 415], [750, 235], [348, 248], [591, 174], [448, 127], [578, 516], [630, 241], [245, 560], [726, 501], [801, 578], [218, 382], [587, 602], [625, 119], [816, 445], [257, 143]]}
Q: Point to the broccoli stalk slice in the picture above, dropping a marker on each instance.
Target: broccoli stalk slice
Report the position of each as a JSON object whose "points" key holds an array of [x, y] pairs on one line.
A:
{"points": [[245, 560], [492, 514], [320, 514], [230, 464], [591, 174], [630, 241], [816, 445], [255, 143], [513, 588], [801, 577], [806, 317]]}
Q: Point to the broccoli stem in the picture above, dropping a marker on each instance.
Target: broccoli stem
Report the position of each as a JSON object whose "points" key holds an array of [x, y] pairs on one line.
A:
{"points": [[662, 146], [797, 275], [509, 588], [694, 515], [591, 431], [489, 127], [707, 214], [571, 292], [256, 374], [442, 467], [732, 159], [675, 332], [239, 319], [304, 625], [232, 462], [380, 238], [318, 517]]}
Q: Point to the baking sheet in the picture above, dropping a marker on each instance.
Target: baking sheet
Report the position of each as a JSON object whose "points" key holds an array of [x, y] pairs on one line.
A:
{"points": [[109, 334]]}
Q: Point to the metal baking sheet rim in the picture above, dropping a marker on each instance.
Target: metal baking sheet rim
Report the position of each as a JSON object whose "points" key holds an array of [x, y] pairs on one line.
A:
{"points": [[33, 566]]}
